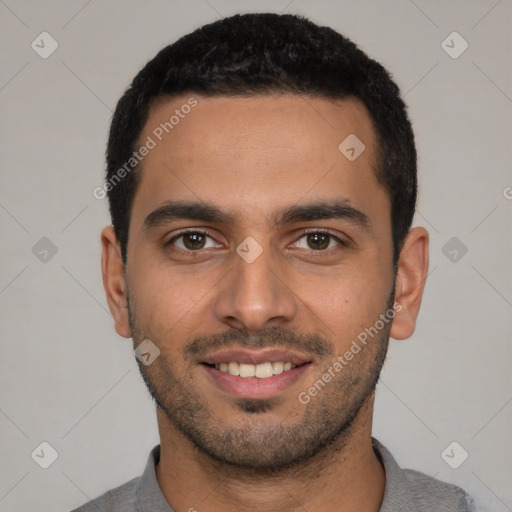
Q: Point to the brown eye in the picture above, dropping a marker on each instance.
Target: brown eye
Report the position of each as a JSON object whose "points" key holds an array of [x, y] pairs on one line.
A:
{"points": [[318, 241], [194, 241]]}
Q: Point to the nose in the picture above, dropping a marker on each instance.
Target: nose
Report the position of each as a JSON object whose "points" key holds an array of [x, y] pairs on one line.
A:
{"points": [[255, 295]]}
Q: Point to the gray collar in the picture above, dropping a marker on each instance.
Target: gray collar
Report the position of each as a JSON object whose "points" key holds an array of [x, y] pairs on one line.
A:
{"points": [[397, 494], [149, 497]]}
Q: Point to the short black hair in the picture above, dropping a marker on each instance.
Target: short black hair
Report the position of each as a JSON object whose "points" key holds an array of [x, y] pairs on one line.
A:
{"points": [[265, 53]]}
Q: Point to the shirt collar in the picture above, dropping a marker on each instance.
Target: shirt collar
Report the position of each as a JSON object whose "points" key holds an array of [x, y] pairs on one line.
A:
{"points": [[148, 495], [397, 494]]}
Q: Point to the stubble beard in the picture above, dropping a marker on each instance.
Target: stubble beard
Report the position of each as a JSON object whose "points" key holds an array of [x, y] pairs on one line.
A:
{"points": [[251, 442]]}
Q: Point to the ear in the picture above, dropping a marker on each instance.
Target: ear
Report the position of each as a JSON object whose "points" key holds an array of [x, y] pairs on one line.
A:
{"points": [[112, 269], [410, 282]]}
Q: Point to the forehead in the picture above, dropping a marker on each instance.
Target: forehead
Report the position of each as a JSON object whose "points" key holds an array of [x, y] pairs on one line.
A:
{"points": [[257, 152], [223, 124]]}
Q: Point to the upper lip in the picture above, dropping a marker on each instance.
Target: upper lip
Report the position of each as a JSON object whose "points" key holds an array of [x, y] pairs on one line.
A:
{"points": [[247, 356]]}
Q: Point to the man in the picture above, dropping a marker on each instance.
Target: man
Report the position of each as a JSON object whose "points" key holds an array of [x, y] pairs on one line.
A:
{"points": [[262, 184]]}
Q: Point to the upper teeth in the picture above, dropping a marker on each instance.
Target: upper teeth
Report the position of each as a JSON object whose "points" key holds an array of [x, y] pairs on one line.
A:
{"points": [[261, 371]]}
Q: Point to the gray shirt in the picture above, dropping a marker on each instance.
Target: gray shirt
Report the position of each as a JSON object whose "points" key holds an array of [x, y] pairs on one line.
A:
{"points": [[406, 490]]}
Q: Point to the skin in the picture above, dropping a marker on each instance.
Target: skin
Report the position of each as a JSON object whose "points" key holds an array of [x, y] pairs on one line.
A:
{"points": [[251, 157]]}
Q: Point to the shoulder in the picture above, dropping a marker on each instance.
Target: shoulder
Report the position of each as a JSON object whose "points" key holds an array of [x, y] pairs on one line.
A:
{"points": [[429, 492], [132, 496], [120, 499], [408, 489]]}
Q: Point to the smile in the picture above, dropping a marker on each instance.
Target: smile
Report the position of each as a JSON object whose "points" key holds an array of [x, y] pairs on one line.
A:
{"points": [[261, 371]]}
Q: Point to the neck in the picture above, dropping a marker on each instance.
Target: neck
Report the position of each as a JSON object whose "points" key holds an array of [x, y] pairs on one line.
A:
{"points": [[344, 476]]}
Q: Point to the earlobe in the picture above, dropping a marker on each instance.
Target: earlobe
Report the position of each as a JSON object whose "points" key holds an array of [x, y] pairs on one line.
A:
{"points": [[112, 268], [410, 282]]}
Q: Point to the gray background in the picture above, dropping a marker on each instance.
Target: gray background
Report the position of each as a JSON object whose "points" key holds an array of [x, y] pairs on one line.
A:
{"points": [[65, 376]]}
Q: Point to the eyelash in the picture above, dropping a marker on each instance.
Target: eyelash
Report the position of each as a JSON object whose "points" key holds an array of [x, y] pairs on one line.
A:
{"points": [[187, 232], [303, 233], [340, 241]]}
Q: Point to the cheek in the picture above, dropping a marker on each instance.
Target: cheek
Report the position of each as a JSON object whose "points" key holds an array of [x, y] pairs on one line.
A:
{"points": [[346, 303], [168, 302]]}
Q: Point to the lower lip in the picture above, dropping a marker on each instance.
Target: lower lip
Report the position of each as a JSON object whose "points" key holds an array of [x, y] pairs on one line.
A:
{"points": [[253, 387]]}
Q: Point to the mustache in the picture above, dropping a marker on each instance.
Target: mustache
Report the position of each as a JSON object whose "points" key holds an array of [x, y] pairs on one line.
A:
{"points": [[272, 337]]}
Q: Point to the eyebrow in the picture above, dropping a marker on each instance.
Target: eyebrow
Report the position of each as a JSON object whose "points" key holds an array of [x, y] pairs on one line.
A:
{"points": [[173, 210], [206, 212], [341, 209]]}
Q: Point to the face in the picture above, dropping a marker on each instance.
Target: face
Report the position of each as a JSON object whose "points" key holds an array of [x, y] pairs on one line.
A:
{"points": [[258, 252]]}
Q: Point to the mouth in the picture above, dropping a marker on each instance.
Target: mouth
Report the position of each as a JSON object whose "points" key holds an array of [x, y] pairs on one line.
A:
{"points": [[255, 374], [260, 371]]}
